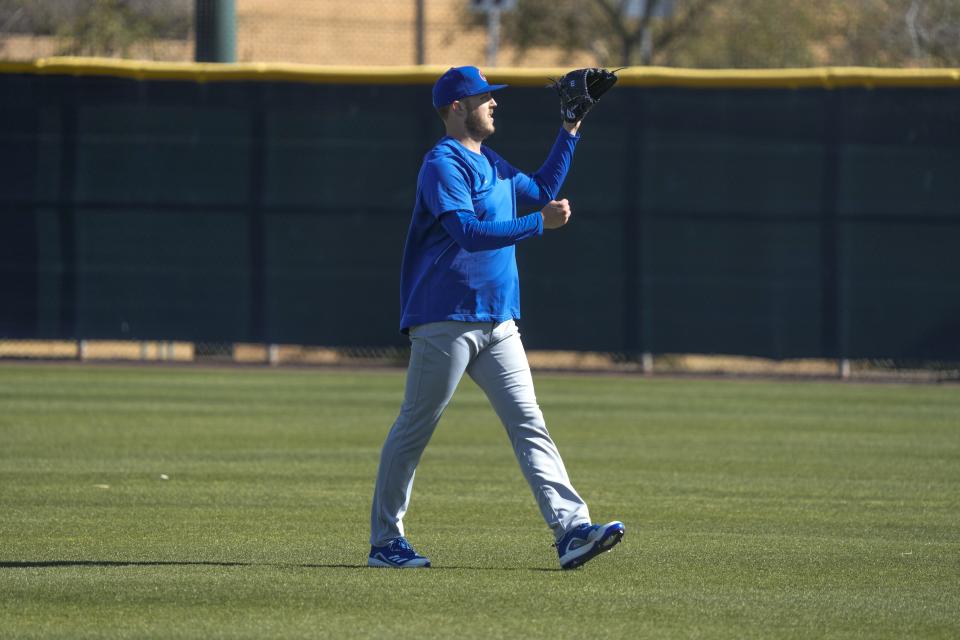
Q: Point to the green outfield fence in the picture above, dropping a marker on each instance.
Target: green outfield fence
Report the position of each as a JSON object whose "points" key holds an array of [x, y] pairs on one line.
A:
{"points": [[809, 213]]}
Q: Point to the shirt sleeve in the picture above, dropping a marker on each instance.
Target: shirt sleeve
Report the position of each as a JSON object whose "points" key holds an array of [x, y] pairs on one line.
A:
{"points": [[444, 187], [473, 234], [446, 194], [538, 189]]}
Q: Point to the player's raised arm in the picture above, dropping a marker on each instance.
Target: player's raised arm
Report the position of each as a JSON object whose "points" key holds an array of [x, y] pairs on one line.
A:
{"points": [[579, 91]]}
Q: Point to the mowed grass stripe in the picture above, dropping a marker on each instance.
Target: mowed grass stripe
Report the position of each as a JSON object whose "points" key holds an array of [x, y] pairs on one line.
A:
{"points": [[754, 509]]}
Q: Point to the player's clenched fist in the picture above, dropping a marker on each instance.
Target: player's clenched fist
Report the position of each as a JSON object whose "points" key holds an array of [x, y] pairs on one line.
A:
{"points": [[556, 214]]}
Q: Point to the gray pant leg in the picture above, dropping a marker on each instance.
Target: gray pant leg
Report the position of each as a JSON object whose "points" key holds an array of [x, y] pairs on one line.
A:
{"points": [[439, 355], [502, 371]]}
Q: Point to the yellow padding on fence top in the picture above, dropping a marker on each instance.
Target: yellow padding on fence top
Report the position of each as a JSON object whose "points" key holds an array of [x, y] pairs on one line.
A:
{"points": [[822, 77]]}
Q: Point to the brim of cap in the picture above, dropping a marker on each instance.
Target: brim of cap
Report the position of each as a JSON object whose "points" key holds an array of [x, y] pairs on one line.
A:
{"points": [[489, 87]]}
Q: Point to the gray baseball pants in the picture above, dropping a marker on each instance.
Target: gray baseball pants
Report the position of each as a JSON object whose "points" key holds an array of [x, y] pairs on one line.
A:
{"points": [[492, 354]]}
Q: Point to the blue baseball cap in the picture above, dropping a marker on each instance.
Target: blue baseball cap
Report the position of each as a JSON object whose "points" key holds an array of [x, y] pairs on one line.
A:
{"points": [[460, 82]]}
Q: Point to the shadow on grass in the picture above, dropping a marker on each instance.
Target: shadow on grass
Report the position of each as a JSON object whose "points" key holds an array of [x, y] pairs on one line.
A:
{"points": [[52, 564], [557, 569]]}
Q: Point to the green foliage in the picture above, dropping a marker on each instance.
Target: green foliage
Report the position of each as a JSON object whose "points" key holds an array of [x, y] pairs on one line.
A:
{"points": [[900, 33], [604, 28], [750, 34], [753, 509], [743, 33], [111, 27], [28, 16], [105, 27], [98, 27]]}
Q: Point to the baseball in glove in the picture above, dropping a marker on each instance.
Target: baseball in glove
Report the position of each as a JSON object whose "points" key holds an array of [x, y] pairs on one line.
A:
{"points": [[581, 89]]}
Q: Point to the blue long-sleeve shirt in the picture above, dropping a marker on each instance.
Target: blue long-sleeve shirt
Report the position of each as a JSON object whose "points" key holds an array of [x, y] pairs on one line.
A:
{"points": [[459, 261]]}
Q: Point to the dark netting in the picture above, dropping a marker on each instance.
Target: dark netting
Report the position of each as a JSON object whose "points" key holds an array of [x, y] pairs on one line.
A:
{"points": [[232, 216]]}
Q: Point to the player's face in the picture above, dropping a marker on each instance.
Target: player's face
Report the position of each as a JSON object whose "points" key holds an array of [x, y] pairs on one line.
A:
{"points": [[479, 121]]}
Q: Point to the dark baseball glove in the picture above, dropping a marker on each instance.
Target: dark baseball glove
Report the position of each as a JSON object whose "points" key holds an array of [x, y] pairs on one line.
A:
{"points": [[581, 89]]}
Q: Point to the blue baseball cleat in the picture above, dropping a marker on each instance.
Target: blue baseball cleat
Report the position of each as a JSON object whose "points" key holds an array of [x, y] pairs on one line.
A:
{"points": [[582, 543], [397, 554]]}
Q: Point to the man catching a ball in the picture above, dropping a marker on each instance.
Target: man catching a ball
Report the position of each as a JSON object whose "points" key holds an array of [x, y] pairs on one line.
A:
{"points": [[459, 299]]}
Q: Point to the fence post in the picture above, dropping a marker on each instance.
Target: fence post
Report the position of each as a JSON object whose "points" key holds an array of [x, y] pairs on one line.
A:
{"points": [[634, 338], [844, 368], [66, 215], [215, 22], [421, 49], [646, 363], [256, 227], [831, 306]]}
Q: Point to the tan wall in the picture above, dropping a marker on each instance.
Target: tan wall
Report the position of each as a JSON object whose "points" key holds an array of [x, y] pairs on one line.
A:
{"points": [[334, 32], [368, 32]]}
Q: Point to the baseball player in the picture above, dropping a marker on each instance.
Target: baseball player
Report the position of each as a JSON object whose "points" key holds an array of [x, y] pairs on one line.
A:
{"points": [[459, 300]]}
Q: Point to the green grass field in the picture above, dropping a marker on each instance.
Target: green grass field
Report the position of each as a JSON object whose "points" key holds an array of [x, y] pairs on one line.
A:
{"points": [[754, 509]]}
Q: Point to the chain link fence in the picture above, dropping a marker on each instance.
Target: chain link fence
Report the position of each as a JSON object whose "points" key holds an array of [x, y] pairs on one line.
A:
{"points": [[319, 32], [526, 33], [442, 32]]}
